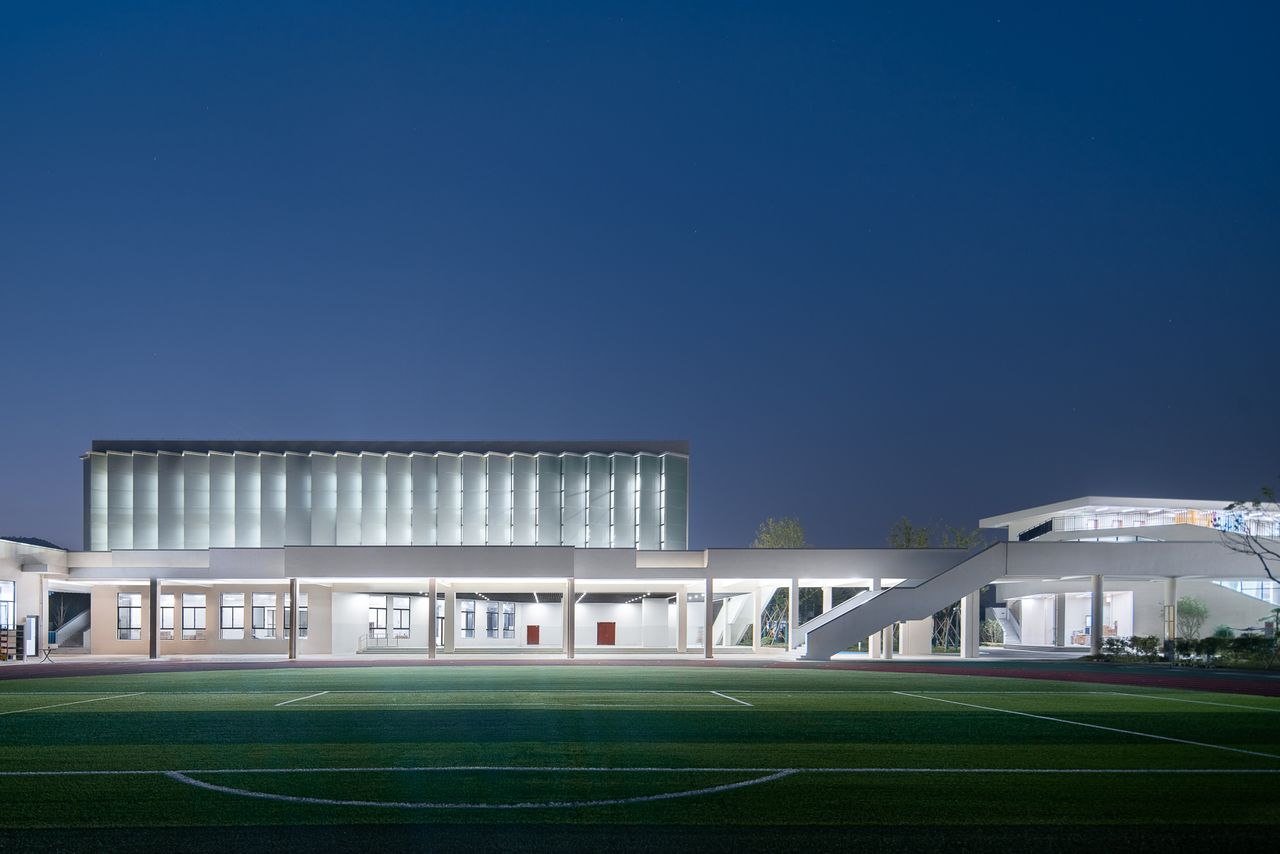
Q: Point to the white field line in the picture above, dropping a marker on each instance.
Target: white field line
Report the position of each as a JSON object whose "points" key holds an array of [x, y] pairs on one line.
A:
{"points": [[73, 703], [638, 799], [296, 699], [1097, 726], [1196, 702], [506, 706], [734, 699]]}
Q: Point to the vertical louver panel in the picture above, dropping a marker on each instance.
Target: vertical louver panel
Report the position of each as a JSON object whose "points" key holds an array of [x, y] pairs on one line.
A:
{"points": [[373, 500], [573, 524], [473, 500], [273, 500], [498, 502], [524, 500], [549, 500], [297, 499], [222, 501], [598, 506], [675, 502], [399, 500], [449, 500], [96, 498], [624, 501], [248, 492], [649, 477], [348, 529], [120, 501], [425, 494], [171, 501], [324, 499], [195, 500]]}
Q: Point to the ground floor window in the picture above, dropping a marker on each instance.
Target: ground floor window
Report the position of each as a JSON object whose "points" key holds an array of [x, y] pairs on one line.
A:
{"points": [[6, 604], [231, 622], [129, 616], [491, 620], [508, 620], [264, 616], [302, 614], [193, 616], [400, 616], [439, 620], [166, 616], [468, 618], [377, 617]]}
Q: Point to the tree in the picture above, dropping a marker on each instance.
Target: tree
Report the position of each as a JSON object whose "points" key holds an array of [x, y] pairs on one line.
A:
{"points": [[951, 537], [784, 533], [1192, 613], [1247, 541], [906, 535]]}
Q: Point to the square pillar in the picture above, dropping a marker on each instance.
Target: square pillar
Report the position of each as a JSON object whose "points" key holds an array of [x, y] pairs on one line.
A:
{"points": [[708, 621], [682, 619], [1095, 608], [450, 618], [827, 598], [970, 626], [431, 618], [886, 642], [154, 621], [873, 642], [569, 616], [1060, 620], [917, 637], [757, 605], [293, 618], [1170, 609], [793, 615]]}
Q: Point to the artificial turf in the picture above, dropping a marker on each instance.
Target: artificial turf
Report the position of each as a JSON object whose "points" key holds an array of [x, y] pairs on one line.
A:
{"points": [[845, 757]]}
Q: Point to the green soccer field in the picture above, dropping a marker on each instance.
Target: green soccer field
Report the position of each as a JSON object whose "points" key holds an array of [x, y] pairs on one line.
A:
{"points": [[628, 757]]}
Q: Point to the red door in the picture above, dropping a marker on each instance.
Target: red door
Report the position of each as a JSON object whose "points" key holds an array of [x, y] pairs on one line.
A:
{"points": [[606, 634], [531, 635]]}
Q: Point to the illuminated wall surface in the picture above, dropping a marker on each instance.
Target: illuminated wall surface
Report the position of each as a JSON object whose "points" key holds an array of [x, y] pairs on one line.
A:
{"points": [[259, 499]]}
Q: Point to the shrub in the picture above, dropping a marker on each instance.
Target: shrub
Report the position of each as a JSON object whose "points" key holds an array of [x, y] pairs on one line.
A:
{"points": [[1114, 647], [1224, 631], [1147, 646]]}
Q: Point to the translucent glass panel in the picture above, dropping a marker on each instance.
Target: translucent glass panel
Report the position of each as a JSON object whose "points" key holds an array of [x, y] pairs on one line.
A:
{"points": [[348, 521], [373, 500], [623, 531], [449, 500], [120, 501], [675, 502], [599, 501], [649, 504], [548, 515], [96, 500], [297, 500], [248, 492], [247, 500], [272, 500], [573, 517], [171, 497], [399, 501], [423, 469], [498, 500], [324, 500], [524, 500], [473, 500], [195, 501], [222, 501]]}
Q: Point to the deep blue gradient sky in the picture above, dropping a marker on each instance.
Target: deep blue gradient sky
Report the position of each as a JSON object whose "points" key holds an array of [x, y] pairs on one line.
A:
{"points": [[942, 260]]}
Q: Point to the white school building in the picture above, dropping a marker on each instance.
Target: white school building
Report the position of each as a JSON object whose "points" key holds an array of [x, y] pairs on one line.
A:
{"points": [[563, 548]]}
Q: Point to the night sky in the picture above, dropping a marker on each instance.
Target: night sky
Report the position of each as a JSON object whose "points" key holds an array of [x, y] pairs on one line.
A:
{"points": [[944, 261]]}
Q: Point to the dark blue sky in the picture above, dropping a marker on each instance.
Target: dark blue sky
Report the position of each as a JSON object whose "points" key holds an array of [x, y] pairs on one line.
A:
{"points": [[942, 260]]}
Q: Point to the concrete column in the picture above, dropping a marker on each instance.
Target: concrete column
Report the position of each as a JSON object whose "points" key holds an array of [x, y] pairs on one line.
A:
{"points": [[1095, 608], [793, 615], [154, 623], [570, 617], [874, 642], [970, 625], [917, 637], [757, 605], [450, 619], [708, 620], [886, 642], [682, 619], [431, 618], [293, 618], [1170, 609], [827, 599], [1060, 620]]}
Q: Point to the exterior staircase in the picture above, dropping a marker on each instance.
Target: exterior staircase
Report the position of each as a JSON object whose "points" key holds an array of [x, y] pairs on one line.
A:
{"points": [[858, 618]]}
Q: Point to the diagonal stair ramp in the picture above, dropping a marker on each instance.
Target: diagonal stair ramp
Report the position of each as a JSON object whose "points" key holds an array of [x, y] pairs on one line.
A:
{"points": [[856, 619]]}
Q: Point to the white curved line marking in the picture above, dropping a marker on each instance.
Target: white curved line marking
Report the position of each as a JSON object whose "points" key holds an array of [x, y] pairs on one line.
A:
{"points": [[334, 802], [72, 703]]}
